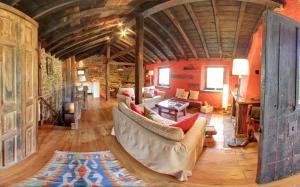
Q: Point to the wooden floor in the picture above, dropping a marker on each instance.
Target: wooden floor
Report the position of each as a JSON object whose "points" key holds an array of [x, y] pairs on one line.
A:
{"points": [[216, 166]]}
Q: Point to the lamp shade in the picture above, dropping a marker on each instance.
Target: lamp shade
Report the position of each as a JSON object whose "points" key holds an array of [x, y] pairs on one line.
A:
{"points": [[151, 72], [240, 66]]}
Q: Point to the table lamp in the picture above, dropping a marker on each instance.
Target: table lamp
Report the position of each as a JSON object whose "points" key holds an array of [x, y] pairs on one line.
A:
{"points": [[240, 67], [151, 73]]}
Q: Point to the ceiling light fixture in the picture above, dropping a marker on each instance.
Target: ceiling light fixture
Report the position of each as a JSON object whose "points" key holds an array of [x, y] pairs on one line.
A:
{"points": [[120, 24], [124, 32]]}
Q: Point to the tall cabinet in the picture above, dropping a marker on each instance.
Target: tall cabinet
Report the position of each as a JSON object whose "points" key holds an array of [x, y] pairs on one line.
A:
{"points": [[18, 86]]}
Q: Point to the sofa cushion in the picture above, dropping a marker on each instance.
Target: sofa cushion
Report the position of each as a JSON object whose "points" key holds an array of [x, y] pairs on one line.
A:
{"points": [[194, 95], [184, 95], [148, 93], [179, 92], [186, 124], [150, 114], [156, 92], [126, 93], [136, 109], [168, 132]]}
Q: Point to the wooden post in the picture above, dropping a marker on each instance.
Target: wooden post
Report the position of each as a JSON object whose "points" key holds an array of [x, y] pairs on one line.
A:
{"points": [[107, 71], [40, 76], [139, 52]]}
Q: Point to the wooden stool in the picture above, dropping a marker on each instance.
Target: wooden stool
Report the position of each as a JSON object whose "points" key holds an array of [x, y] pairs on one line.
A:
{"points": [[209, 132]]}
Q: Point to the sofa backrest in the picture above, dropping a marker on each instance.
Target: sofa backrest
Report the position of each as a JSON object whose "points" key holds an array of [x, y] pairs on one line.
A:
{"points": [[148, 87], [168, 132]]}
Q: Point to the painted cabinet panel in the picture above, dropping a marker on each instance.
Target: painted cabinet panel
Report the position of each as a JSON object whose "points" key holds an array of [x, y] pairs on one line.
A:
{"points": [[18, 86]]}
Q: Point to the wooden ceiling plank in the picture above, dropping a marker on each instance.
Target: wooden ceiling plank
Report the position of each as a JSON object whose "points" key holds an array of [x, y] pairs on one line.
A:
{"points": [[52, 7], [88, 13], [78, 43], [172, 3], [130, 55], [89, 53], [217, 25], [238, 27], [195, 20], [51, 46], [182, 32], [129, 42], [122, 63], [78, 49], [121, 53], [170, 35], [161, 41]]}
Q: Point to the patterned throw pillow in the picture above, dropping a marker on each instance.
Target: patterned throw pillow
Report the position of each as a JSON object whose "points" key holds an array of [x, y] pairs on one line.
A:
{"points": [[194, 95], [179, 92]]}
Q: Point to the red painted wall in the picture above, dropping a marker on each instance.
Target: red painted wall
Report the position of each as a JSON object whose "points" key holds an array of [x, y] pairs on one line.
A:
{"points": [[250, 86], [177, 68]]}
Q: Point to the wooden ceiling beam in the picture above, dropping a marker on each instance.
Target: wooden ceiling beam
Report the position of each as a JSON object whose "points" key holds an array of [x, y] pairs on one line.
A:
{"points": [[89, 53], [121, 53], [122, 63], [77, 37], [104, 23], [172, 3], [217, 25], [88, 13], [52, 8], [161, 41], [130, 42], [79, 49], [238, 27], [74, 46], [120, 46], [78, 43], [181, 31], [170, 35], [195, 20]]}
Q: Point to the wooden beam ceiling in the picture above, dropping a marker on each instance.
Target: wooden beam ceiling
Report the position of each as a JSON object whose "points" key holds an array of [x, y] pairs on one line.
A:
{"points": [[194, 18], [217, 25], [92, 13], [182, 32], [161, 41], [170, 35], [121, 53], [238, 27]]}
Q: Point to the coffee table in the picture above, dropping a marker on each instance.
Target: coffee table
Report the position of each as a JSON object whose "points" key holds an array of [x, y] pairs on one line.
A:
{"points": [[172, 107]]}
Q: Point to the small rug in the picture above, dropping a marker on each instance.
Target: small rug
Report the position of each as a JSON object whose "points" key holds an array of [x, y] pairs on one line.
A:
{"points": [[83, 169]]}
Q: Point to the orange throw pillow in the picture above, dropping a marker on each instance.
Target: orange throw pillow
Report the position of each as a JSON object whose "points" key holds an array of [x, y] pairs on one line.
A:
{"points": [[136, 109], [186, 124]]}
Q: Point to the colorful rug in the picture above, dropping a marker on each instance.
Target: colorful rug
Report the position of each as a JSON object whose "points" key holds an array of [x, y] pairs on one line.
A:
{"points": [[83, 169]]}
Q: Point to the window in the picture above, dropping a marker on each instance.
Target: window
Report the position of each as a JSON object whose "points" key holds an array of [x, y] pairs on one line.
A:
{"points": [[164, 76], [214, 78], [80, 72]]}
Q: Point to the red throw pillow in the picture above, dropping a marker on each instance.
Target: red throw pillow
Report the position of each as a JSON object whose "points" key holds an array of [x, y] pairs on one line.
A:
{"points": [[126, 93], [136, 109], [156, 92], [186, 124]]}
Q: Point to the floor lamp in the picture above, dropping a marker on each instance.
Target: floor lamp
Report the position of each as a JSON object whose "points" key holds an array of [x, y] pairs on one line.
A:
{"points": [[240, 67], [151, 73]]}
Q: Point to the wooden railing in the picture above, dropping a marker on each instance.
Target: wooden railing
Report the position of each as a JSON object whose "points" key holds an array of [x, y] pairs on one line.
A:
{"points": [[44, 101]]}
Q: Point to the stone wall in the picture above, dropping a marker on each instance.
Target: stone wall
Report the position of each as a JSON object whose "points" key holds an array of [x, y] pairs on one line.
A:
{"points": [[52, 84], [95, 70]]}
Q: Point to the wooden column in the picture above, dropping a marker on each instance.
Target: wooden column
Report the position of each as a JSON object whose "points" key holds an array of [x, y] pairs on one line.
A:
{"points": [[107, 70], [68, 83], [139, 53]]}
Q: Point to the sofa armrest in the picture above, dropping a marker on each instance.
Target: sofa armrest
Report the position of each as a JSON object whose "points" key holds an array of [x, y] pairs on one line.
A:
{"points": [[195, 135]]}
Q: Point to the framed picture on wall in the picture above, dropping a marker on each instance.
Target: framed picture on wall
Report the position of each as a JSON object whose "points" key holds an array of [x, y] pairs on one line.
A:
{"points": [[49, 66]]}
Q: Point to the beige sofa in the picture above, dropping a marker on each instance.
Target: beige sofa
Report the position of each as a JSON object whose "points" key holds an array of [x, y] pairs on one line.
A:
{"points": [[149, 102], [162, 148]]}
